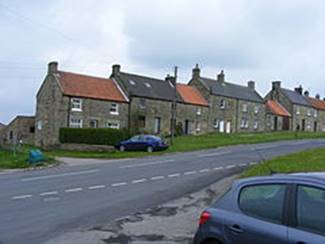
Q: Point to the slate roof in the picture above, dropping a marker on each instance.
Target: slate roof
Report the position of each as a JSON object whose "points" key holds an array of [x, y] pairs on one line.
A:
{"points": [[295, 97], [316, 103], [89, 87], [277, 109], [142, 86], [2, 125], [191, 95], [232, 90]]}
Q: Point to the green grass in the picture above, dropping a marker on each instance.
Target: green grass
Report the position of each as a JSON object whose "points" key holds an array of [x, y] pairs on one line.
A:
{"points": [[306, 161], [9, 160], [192, 143]]}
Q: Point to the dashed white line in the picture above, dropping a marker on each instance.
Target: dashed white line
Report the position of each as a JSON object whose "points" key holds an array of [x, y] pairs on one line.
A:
{"points": [[174, 175], [242, 165], [21, 197], [139, 181], [218, 168], [73, 190], [213, 154], [230, 166], [204, 170], [159, 177], [252, 163], [190, 172], [119, 184], [49, 193], [147, 164], [96, 187]]}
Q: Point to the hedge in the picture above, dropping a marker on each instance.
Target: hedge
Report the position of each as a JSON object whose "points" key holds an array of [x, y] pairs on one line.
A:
{"points": [[100, 136]]}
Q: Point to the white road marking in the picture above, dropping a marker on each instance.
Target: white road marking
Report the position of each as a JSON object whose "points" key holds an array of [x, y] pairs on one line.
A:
{"points": [[242, 165], [252, 163], [174, 175], [21, 197], [159, 177], [51, 199], [218, 168], [190, 172], [213, 154], [60, 175], [264, 147], [204, 170], [96, 187], [73, 190], [119, 184], [230, 166], [49, 193], [147, 164], [139, 181]]}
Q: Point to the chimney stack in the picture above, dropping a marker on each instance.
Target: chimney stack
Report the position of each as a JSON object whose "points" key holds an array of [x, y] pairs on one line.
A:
{"points": [[171, 79], [221, 77], [276, 85], [53, 67], [317, 96], [299, 90], [251, 85], [116, 69], [196, 72], [306, 93]]}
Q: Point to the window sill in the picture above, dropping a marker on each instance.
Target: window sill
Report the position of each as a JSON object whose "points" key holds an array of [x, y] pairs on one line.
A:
{"points": [[76, 110], [114, 113]]}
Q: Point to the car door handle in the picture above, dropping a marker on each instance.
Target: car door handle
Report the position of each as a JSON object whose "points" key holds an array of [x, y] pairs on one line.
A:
{"points": [[236, 229]]}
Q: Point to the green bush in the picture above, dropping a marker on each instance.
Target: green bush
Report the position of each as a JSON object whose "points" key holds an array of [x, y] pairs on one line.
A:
{"points": [[100, 136]]}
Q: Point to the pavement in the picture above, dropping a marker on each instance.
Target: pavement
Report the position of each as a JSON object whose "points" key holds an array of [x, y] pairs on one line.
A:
{"points": [[39, 206]]}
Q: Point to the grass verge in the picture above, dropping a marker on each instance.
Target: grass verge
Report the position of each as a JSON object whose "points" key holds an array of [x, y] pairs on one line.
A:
{"points": [[306, 161]]}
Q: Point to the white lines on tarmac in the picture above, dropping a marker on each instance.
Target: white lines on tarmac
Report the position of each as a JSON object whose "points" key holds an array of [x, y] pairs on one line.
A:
{"points": [[73, 189], [21, 197], [139, 181], [213, 154], [242, 165], [218, 168], [60, 175], [158, 177], [147, 164], [204, 170], [119, 184], [96, 187], [49, 193], [230, 166], [190, 172], [174, 175]]}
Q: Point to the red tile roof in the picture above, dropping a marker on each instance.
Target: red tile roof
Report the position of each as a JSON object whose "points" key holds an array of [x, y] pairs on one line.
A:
{"points": [[191, 95], [316, 103], [89, 87], [277, 109]]}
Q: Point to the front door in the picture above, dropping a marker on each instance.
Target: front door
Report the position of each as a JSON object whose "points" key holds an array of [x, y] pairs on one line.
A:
{"points": [[187, 127], [286, 123], [315, 126], [221, 126], [275, 123], [228, 127], [303, 125]]}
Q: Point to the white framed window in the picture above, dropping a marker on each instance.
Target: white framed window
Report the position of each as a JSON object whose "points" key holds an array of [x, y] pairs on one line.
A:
{"points": [[222, 103], [297, 110], [315, 113], [75, 123], [255, 124], [198, 126], [93, 123], [256, 109], [157, 125], [309, 112], [244, 123], [308, 125], [216, 123], [198, 111], [76, 104], [114, 109], [39, 125], [113, 124], [244, 109]]}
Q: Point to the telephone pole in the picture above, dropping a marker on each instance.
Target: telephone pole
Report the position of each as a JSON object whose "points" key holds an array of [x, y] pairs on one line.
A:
{"points": [[173, 119]]}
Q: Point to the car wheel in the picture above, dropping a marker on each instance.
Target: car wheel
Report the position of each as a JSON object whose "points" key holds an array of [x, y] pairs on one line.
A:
{"points": [[122, 148], [150, 149], [211, 241]]}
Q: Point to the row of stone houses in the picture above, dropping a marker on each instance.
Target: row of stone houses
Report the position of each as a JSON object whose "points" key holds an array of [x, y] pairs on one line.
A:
{"points": [[146, 105]]}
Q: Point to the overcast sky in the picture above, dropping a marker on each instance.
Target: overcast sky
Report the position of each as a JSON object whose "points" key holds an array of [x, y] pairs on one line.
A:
{"points": [[250, 39]]}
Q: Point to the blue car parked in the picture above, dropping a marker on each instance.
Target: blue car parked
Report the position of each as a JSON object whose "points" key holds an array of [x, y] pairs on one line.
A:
{"points": [[279, 209], [147, 143]]}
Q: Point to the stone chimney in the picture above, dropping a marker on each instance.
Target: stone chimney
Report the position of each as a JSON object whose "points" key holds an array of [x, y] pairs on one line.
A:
{"points": [[171, 79], [251, 85], [299, 90], [52, 67], [317, 96], [196, 72], [306, 93], [221, 77], [116, 69], [276, 85]]}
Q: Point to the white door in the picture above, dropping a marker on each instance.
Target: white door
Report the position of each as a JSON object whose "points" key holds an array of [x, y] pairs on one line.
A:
{"points": [[228, 127], [221, 126]]}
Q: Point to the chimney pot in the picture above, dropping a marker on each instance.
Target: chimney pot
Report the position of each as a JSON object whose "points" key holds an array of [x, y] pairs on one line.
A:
{"points": [[317, 96], [196, 72], [299, 90], [53, 67], [251, 85], [306, 93], [116, 68], [221, 77], [276, 85]]}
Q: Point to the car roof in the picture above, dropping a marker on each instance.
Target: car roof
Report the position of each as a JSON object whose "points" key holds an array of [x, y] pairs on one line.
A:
{"points": [[317, 177]]}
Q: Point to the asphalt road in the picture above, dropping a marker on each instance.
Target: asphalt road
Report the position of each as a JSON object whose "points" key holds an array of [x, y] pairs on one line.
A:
{"points": [[36, 206]]}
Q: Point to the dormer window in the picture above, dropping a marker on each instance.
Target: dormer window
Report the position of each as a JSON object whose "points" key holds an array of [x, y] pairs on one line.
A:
{"points": [[147, 85], [114, 109], [76, 104], [222, 104], [132, 82], [244, 107]]}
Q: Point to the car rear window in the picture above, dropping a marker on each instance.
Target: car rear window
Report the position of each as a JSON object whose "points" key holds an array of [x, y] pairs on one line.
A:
{"points": [[263, 201]]}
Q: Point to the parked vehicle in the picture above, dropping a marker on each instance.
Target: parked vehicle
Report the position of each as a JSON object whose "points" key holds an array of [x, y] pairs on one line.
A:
{"points": [[147, 143], [279, 209]]}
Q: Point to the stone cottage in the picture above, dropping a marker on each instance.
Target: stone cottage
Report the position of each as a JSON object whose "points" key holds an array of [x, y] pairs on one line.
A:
{"points": [[20, 130], [303, 114], [233, 108], [74, 100], [277, 117], [151, 104], [319, 113]]}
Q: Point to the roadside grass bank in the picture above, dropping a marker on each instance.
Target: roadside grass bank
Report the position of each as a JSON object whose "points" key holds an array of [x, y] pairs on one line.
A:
{"points": [[19, 159], [306, 161], [192, 143]]}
